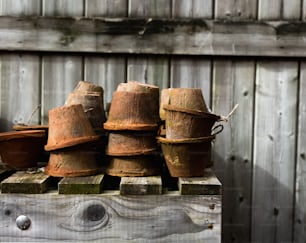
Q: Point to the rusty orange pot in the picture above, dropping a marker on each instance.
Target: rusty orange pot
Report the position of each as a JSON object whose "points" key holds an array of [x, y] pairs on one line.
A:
{"points": [[133, 111], [69, 126], [186, 157], [142, 165], [186, 123], [72, 163], [126, 143], [189, 98], [86, 86], [21, 149], [93, 106]]}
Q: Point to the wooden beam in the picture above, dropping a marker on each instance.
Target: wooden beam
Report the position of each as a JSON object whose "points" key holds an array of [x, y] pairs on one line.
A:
{"points": [[153, 36], [149, 185]]}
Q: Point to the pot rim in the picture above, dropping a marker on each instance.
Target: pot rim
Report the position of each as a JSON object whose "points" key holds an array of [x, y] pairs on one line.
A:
{"points": [[185, 140], [5, 136]]}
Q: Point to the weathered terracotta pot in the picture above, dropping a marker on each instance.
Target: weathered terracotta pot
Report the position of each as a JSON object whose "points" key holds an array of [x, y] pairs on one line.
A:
{"points": [[186, 123], [186, 157], [86, 86], [126, 143], [134, 86], [142, 165], [21, 149], [69, 126], [72, 163], [93, 106], [189, 98], [133, 111]]}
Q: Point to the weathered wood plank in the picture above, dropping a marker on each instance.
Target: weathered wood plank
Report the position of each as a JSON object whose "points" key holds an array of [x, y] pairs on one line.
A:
{"points": [[274, 151], [24, 182], [192, 8], [106, 8], [20, 7], [233, 83], [172, 36], [20, 90], [150, 185], [292, 9], [300, 188], [111, 218], [63, 7], [233, 9], [150, 8], [81, 185], [209, 184]]}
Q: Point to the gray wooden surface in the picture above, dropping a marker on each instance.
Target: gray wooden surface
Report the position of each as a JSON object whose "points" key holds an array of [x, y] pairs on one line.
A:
{"points": [[240, 57]]}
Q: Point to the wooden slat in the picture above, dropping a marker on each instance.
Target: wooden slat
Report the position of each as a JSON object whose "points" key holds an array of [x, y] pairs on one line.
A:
{"points": [[20, 7], [150, 185], [274, 151], [81, 185], [292, 9], [269, 10], [233, 9], [20, 90], [209, 184], [188, 36], [106, 8], [150, 8], [300, 191], [192, 8], [233, 83], [24, 182], [63, 7], [112, 218]]}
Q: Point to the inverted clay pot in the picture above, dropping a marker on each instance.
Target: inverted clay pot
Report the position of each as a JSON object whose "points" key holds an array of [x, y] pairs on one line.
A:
{"points": [[93, 106], [126, 143], [186, 123], [86, 86], [133, 111], [69, 126], [186, 157], [72, 163], [142, 165], [189, 98], [21, 149]]}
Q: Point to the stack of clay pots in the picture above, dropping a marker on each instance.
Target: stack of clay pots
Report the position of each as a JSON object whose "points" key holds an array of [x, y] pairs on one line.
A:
{"points": [[188, 131], [75, 133], [132, 126]]}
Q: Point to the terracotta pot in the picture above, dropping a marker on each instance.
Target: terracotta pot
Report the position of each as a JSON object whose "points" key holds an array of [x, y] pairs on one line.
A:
{"points": [[133, 111], [72, 163], [142, 165], [189, 98], [86, 86], [21, 149], [186, 123], [126, 143], [186, 157], [69, 126], [134, 86], [93, 106]]}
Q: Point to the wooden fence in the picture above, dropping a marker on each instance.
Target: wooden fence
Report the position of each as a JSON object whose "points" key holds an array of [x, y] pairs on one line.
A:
{"points": [[247, 52]]}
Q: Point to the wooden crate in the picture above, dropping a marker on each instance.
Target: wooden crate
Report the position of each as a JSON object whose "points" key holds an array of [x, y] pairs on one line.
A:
{"points": [[102, 207]]}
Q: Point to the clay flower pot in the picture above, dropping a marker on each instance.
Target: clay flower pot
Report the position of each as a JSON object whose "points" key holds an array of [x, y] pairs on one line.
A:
{"points": [[186, 157], [189, 98], [126, 143], [93, 106], [69, 126], [141, 165], [86, 86], [133, 111], [186, 123], [21, 149], [72, 163]]}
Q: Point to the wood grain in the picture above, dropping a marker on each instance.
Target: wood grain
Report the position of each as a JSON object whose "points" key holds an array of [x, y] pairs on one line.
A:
{"points": [[233, 9], [150, 185], [112, 218]]}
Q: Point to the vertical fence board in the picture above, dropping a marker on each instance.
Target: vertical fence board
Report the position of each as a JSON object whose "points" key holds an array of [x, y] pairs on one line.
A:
{"points": [[106, 71], [300, 193], [233, 83], [192, 8], [106, 8], [19, 75], [63, 7], [269, 10], [274, 151], [244, 9], [152, 70], [61, 73], [20, 89], [304, 10], [20, 7], [291, 9]]}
